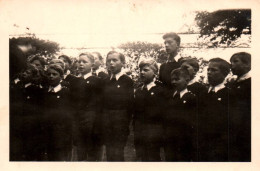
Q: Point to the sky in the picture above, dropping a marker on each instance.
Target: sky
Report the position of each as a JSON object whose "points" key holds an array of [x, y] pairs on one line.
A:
{"points": [[102, 23]]}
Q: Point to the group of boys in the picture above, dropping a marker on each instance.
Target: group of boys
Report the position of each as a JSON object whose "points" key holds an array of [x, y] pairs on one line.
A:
{"points": [[189, 120]]}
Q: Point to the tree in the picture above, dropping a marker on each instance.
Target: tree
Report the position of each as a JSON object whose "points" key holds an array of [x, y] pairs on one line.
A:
{"points": [[40, 47], [224, 26]]}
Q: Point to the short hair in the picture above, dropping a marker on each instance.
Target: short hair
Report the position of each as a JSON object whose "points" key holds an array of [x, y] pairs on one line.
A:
{"points": [[32, 68], [243, 56], [57, 68], [191, 61], [121, 56], [224, 66], [174, 36], [39, 58], [181, 72], [99, 55], [66, 58], [58, 62], [89, 56], [150, 63]]}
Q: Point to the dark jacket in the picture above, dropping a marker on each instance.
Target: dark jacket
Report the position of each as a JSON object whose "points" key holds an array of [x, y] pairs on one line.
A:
{"points": [[240, 121], [213, 126]]}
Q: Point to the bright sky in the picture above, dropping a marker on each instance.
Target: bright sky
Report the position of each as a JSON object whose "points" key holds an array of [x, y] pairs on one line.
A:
{"points": [[102, 23]]}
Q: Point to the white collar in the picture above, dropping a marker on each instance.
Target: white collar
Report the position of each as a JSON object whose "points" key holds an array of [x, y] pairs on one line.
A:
{"points": [[86, 75], [16, 80], [176, 58], [217, 87], [244, 77], [118, 75], [150, 85], [27, 85], [181, 93], [55, 89], [194, 80], [66, 74]]}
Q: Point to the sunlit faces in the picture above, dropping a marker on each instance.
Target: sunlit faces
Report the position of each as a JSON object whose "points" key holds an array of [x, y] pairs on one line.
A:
{"points": [[54, 77], [114, 63], [37, 64], [215, 76], [179, 82], [238, 67], [190, 68], [171, 45], [84, 65], [146, 74]]}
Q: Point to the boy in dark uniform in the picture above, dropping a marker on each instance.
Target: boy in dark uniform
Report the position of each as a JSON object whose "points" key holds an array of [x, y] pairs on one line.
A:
{"points": [[192, 66], [240, 107], [172, 43], [148, 105], [213, 118], [118, 106], [25, 113], [181, 120], [57, 121], [88, 106], [98, 69]]}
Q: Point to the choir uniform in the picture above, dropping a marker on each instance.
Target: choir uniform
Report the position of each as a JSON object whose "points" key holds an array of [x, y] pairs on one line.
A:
{"points": [[213, 124], [148, 119], [240, 119], [57, 123], [25, 118], [118, 94], [196, 88], [180, 125], [97, 130], [88, 108]]}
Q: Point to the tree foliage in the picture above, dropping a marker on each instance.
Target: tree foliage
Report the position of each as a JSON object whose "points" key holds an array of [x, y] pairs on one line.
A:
{"points": [[40, 47], [224, 26]]}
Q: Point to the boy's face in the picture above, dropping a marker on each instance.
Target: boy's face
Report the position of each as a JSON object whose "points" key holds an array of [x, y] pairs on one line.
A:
{"points": [[26, 76], [146, 74], [37, 64], [54, 77], [97, 62], [85, 65], [66, 63], [114, 63], [179, 82], [190, 68], [238, 67], [215, 76], [171, 45]]}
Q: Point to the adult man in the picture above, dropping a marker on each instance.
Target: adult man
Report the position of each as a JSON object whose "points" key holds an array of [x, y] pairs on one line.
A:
{"points": [[172, 44]]}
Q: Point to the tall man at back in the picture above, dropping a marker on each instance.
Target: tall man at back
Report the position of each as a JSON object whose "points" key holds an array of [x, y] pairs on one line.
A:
{"points": [[172, 43]]}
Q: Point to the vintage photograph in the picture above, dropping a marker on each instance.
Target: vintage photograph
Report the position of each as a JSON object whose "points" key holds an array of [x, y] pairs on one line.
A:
{"points": [[132, 81]]}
